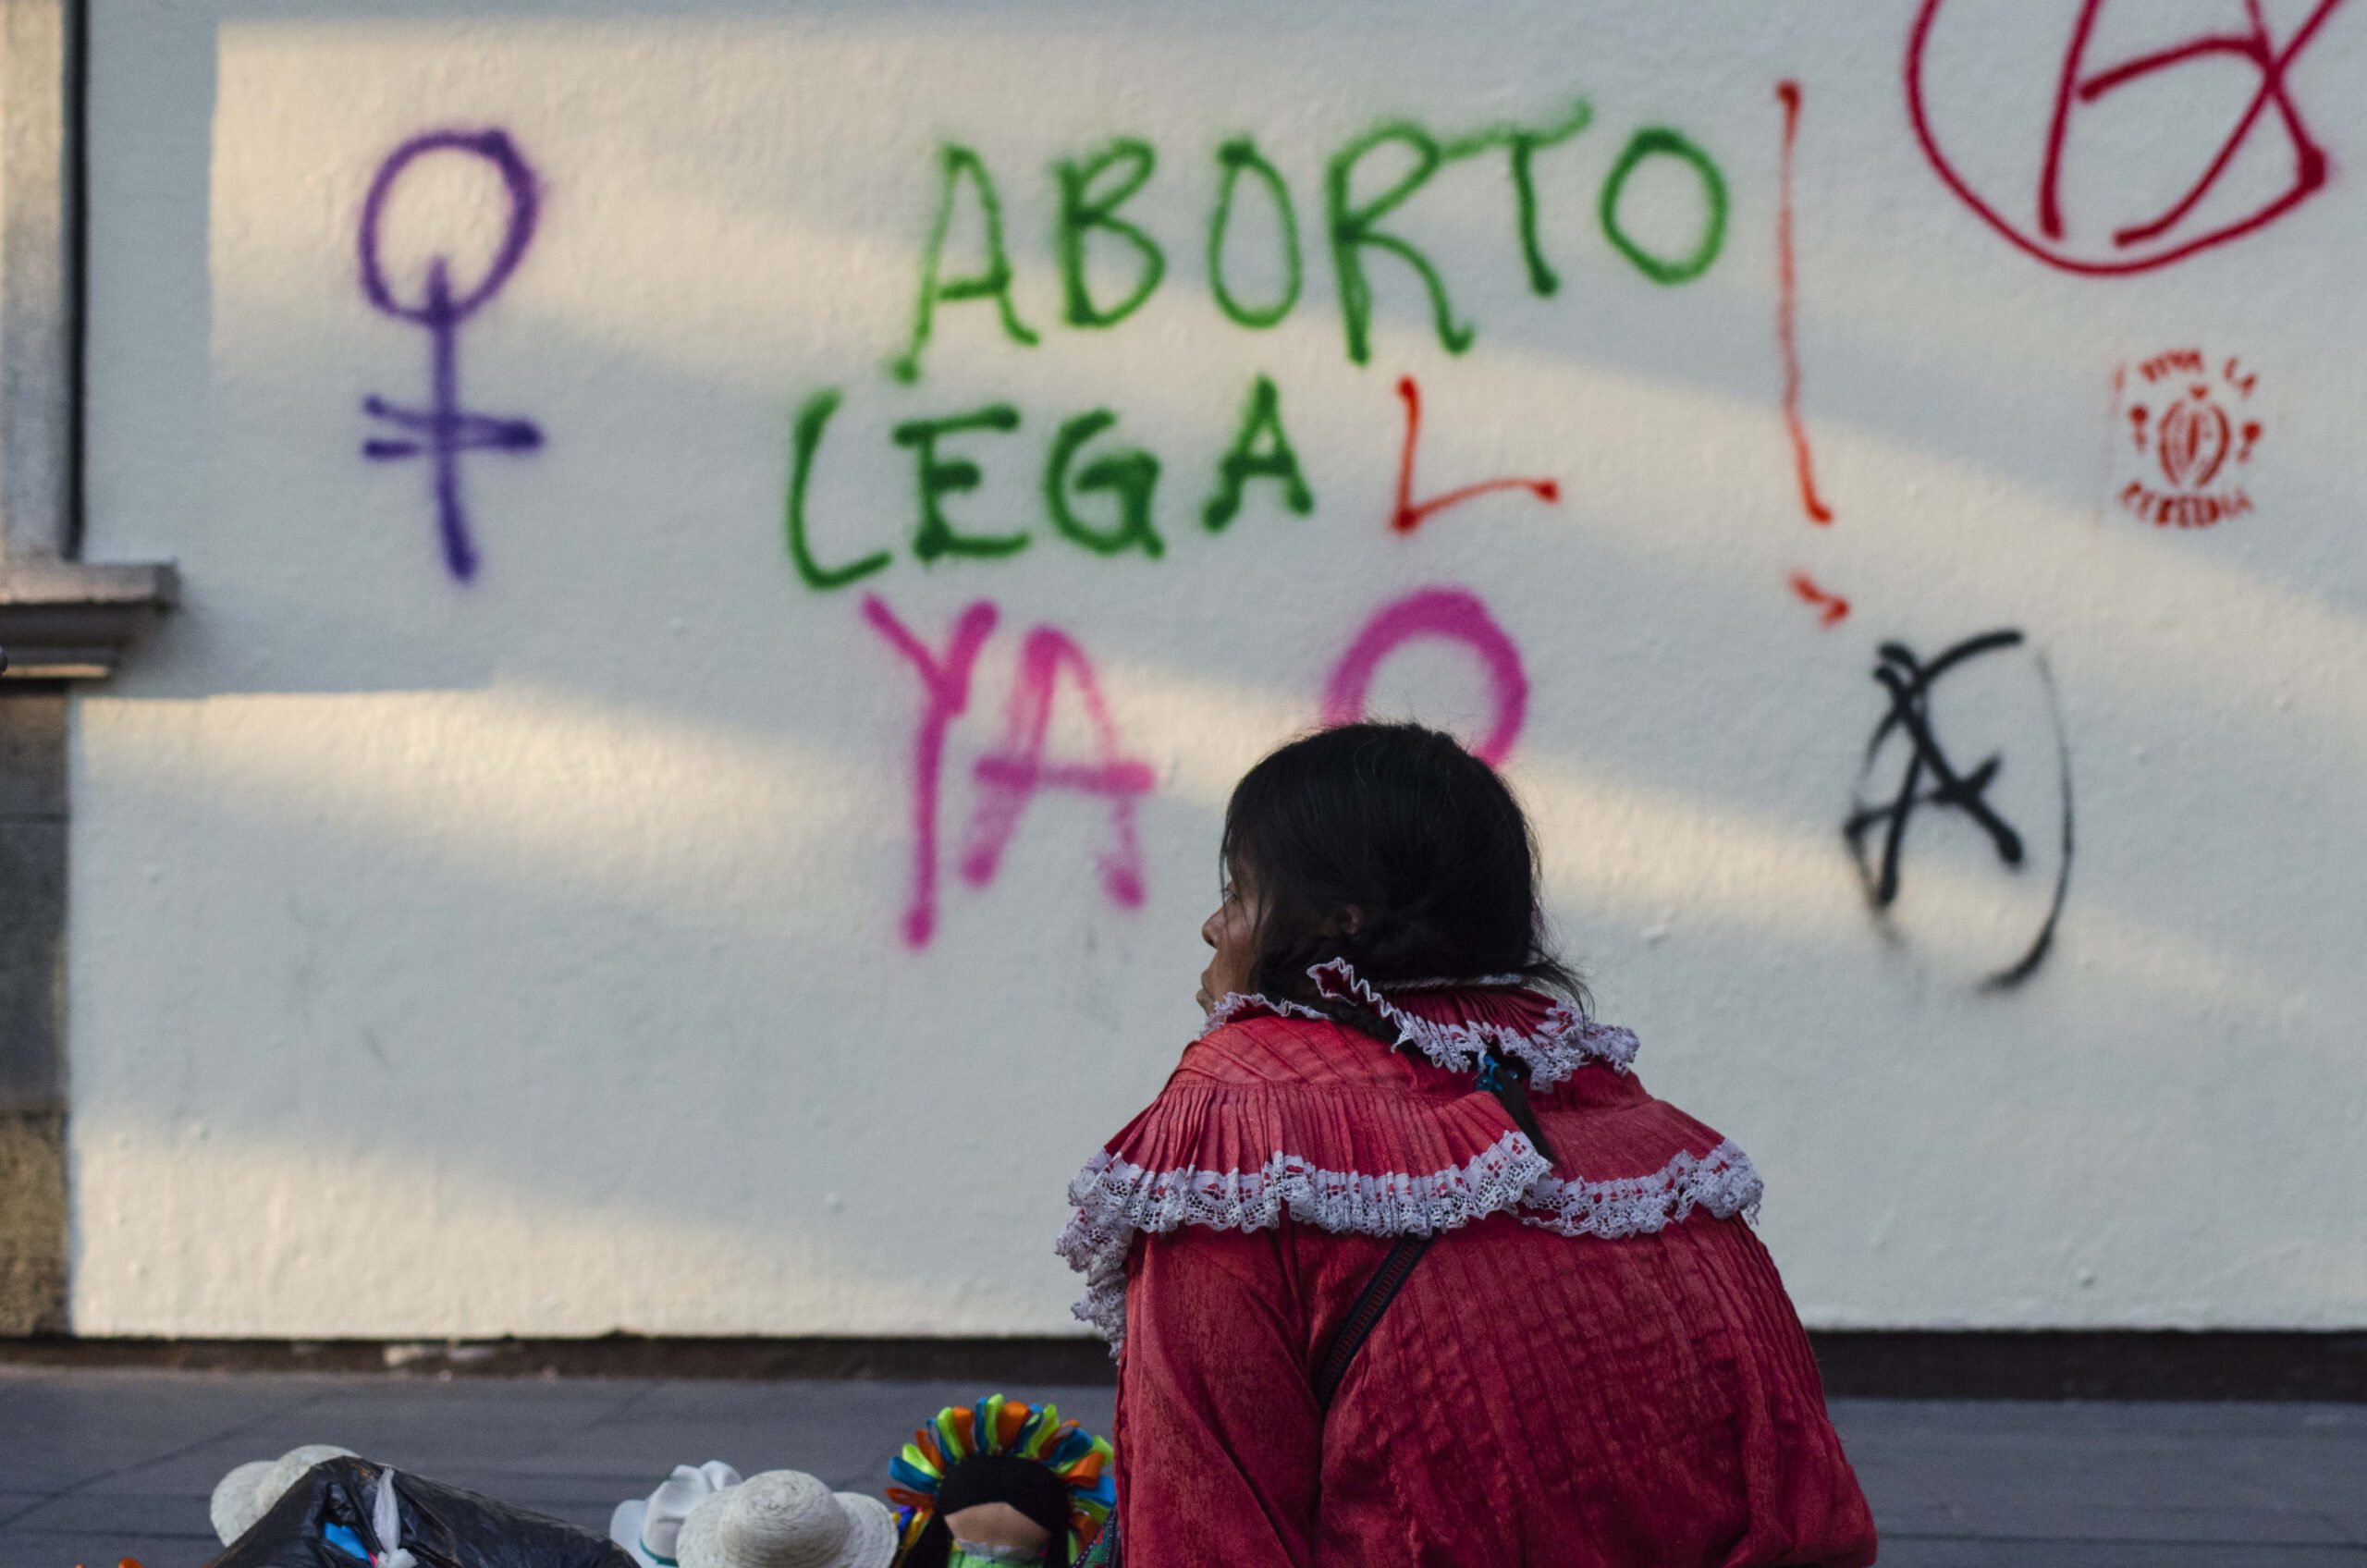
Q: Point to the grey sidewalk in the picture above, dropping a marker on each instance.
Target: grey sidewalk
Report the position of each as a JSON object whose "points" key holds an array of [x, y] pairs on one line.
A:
{"points": [[99, 1465]]}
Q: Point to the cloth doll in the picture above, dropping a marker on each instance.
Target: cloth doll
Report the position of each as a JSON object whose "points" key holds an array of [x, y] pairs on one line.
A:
{"points": [[1001, 1482]]}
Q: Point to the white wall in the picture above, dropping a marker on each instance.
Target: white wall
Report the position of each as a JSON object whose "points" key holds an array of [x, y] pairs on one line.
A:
{"points": [[529, 954]]}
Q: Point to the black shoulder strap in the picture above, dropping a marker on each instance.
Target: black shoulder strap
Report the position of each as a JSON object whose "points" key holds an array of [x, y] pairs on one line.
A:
{"points": [[1371, 1302], [1507, 1079]]}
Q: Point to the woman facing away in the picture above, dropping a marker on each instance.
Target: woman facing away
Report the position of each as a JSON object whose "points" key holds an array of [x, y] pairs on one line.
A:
{"points": [[1590, 1362]]}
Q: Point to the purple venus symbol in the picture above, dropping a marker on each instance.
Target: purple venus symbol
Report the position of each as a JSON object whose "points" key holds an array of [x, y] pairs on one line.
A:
{"points": [[442, 430]]}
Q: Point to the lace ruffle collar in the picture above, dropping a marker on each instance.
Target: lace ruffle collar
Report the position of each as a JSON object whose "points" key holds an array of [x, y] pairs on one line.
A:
{"points": [[1117, 1199], [1555, 1046], [1241, 1157]]}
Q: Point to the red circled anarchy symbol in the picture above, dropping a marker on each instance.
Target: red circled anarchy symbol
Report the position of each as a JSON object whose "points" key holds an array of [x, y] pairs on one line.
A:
{"points": [[2161, 239]]}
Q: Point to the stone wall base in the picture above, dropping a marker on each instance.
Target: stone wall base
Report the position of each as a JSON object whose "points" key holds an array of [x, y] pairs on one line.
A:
{"points": [[32, 1223]]}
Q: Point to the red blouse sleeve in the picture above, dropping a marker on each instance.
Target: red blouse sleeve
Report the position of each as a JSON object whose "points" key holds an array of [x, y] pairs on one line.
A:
{"points": [[1219, 1441]]}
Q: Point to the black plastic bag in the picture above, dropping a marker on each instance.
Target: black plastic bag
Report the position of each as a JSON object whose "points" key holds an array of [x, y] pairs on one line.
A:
{"points": [[442, 1527]]}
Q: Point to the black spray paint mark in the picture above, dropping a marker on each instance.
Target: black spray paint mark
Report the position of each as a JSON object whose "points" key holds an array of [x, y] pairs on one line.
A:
{"points": [[442, 430], [1932, 779]]}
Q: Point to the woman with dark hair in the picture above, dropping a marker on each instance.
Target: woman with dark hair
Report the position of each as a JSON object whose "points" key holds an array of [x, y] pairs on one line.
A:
{"points": [[1404, 1264]]}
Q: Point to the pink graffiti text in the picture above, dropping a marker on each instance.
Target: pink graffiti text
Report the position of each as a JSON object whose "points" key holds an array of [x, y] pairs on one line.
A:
{"points": [[1010, 778], [945, 694], [1450, 615]]}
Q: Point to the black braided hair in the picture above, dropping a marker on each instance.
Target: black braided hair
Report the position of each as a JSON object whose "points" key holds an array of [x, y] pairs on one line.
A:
{"points": [[1420, 839]]}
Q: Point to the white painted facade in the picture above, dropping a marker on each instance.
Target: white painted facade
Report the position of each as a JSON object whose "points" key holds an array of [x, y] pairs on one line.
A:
{"points": [[530, 954]]}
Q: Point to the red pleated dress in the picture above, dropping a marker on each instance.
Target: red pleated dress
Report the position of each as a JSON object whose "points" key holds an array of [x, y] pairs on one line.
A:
{"points": [[1595, 1364]]}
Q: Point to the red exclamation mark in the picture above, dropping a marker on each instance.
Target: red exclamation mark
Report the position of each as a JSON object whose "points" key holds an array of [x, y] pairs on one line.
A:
{"points": [[1787, 329], [1832, 608]]}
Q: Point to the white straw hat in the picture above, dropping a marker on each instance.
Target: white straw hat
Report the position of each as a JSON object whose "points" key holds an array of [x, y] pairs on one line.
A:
{"points": [[247, 1493], [787, 1519], [649, 1527]]}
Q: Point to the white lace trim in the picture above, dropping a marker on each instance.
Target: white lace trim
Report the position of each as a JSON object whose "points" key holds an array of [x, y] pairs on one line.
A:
{"points": [[1722, 1181], [1563, 1041], [1237, 1003], [1116, 1200]]}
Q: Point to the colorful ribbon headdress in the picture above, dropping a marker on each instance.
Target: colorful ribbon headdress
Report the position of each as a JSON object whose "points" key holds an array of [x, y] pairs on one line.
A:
{"points": [[1083, 1463]]}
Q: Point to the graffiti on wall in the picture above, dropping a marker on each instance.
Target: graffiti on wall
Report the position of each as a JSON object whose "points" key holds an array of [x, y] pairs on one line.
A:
{"points": [[945, 696], [2191, 432], [1101, 491], [443, 430], [1907, 747], [1449, 615], [1410, 514], [1787, 307], [1832, 608], [2120, 224], [1007, 780], [1101, 485], [1092, 191], [1010, 778]]}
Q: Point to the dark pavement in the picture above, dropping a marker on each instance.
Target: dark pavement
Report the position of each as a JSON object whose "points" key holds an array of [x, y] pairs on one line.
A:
{"points": [[98, 1466]]}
